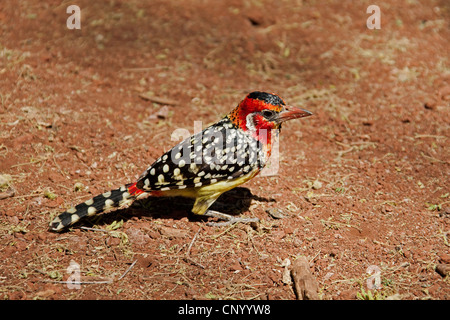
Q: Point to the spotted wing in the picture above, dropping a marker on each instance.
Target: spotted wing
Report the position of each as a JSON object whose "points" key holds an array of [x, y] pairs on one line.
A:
{"points": [[220, 152]]}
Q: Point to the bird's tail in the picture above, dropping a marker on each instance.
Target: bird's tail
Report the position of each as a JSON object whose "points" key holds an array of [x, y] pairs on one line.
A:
{"points": [[112, 199]]}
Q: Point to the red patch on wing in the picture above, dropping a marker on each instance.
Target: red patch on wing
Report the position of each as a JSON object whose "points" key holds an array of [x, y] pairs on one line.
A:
{"points": [[134, 191]]}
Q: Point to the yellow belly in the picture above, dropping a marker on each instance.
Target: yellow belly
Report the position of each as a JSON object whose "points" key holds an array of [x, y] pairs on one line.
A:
{"points": [[206, 195]]}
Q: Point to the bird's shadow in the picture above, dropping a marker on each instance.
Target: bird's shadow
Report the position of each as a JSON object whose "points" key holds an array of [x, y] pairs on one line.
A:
{"points": [[233, 202]]}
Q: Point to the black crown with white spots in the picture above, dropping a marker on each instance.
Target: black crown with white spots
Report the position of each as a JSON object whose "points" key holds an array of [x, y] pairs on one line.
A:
{"points": [[267, 97]]}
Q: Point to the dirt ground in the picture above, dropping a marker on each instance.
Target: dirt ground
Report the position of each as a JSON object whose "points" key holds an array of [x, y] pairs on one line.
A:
{"points": [[363, 185]]}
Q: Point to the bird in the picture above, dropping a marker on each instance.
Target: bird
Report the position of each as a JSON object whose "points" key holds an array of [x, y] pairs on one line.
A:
{"points": [[223, 156]]}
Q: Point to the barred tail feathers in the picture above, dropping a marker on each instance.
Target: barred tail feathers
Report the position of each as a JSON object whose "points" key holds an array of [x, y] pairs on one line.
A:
{"points": [[108, 200]]}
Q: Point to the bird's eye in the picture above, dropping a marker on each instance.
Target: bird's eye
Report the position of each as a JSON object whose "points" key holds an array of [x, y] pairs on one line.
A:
{"points": [[268, 113]]}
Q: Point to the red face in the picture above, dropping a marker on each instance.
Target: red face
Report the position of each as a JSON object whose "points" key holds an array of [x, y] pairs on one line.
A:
{"points": [[264, 111], [260, 113]]}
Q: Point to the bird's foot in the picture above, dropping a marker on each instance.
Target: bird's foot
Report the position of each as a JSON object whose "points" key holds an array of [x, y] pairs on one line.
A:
{"points": [[228, 219]]}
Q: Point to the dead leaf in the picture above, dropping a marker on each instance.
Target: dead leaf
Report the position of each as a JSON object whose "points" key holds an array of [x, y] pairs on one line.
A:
{"points": [[305, 285]]}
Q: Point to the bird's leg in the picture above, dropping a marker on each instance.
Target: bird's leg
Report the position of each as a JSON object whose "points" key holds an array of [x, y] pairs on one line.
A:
{"points": [[228, 219]]}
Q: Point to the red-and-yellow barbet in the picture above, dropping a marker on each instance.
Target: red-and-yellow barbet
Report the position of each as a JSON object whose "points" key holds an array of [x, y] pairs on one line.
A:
{"points": [[205, 165]]}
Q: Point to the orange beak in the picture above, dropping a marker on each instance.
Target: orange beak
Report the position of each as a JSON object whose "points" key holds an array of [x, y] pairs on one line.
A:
{"points": [[290, 113]]}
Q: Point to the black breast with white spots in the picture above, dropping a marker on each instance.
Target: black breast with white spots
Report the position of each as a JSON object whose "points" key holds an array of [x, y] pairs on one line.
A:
{"points": [[220, 152]]}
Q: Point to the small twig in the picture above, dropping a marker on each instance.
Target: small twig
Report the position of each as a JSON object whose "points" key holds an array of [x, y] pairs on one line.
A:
{"points": [[29, 163], [432, 159], [429, 136], [79, 282], [192, 242], [195, 263], [189, 259], [214, 237], [94, 229], [341, 153], [29, 195], [126, 271], [158, 100], [334, 224], [312, 259]]}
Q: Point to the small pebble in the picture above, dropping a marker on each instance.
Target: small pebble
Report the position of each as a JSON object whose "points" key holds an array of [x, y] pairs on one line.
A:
{"points": [[443, 269], [276, 213]]}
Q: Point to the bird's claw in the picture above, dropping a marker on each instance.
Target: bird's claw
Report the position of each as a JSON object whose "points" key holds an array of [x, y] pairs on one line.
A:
{"points": [[228, 219]]}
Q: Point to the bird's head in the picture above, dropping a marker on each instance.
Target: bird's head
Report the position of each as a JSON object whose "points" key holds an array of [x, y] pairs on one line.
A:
{"points": [[262, 110]]}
